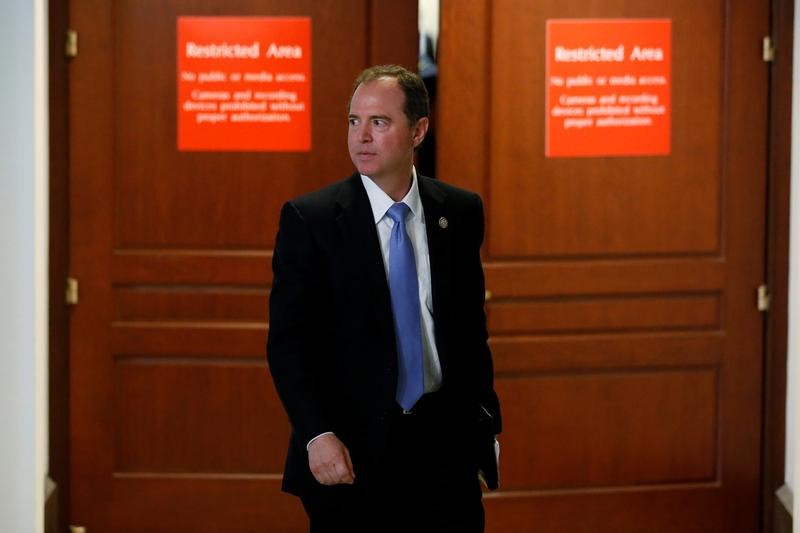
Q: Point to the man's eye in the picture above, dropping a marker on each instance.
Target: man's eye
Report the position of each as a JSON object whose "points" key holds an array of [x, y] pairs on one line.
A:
{"points": [[352, 121], [379, 122]]}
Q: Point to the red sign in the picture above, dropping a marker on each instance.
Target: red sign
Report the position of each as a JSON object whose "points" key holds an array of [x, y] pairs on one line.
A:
{"points": [[608, 87], [244, 83]]}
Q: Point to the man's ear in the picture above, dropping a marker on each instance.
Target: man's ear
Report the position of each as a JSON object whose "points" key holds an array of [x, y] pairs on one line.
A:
{"points": [[419, 131]]}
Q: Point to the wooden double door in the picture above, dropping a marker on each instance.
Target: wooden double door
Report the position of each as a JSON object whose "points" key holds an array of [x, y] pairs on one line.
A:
{"points": [[622, 314]]}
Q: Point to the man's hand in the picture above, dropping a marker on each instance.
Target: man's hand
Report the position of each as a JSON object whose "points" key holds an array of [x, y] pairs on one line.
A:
{"points": [[329, 461]]}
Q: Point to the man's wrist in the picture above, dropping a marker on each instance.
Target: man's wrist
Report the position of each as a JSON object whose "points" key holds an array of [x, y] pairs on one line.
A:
{"points": [[318, 436]]}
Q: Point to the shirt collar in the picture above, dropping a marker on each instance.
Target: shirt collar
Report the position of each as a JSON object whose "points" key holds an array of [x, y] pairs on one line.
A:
{"points": [[381, 202]]}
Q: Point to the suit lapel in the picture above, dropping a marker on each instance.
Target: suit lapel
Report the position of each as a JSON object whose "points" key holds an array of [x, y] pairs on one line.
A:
{"points": [[362, 252], [439, 250]]}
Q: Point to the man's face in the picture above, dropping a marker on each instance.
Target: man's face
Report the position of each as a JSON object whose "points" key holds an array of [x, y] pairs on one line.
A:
{"points": [[380, 140]]}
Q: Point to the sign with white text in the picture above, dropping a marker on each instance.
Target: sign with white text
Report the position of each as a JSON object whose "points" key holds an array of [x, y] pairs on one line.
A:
{"points": [[244, 83], [608, 87]]}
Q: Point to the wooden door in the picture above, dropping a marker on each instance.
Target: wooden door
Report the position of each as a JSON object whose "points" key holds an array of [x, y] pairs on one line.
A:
{"points": [[623, 319], [174, 422]]}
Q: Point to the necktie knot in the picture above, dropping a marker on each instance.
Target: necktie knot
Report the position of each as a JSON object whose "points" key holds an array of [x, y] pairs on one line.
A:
{"points": [[398, 212]]}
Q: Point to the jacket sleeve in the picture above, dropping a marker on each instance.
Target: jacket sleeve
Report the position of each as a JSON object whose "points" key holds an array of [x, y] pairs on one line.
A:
{"points": [[489, 398], [293, 348]]}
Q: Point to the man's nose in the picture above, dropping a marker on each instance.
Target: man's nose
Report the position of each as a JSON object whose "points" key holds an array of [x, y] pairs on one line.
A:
{"points": [[364, 133]]}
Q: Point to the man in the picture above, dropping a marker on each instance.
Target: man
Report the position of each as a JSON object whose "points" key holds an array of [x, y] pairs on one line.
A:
{"points": [[377, 341]]}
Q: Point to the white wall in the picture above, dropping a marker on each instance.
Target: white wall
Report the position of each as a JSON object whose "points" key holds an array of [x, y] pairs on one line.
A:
{"points": [[23, 265]]}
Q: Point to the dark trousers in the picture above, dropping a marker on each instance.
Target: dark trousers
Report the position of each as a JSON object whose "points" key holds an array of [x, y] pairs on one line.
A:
{"points": [[427, 483]]}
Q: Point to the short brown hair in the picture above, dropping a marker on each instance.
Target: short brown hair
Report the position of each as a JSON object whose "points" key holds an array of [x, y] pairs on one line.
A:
{"points": [[417, 104]]}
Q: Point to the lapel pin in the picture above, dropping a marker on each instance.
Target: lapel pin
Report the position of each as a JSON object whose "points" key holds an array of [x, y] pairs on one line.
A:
{"points": [[443, 223]]}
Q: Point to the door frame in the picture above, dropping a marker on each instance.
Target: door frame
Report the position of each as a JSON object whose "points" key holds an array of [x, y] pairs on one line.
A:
{"points": [[777, 263], [57, 502]]}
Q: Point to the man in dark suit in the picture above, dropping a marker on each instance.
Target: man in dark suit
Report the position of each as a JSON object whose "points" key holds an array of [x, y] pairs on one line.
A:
{"points": [[377, 342]]}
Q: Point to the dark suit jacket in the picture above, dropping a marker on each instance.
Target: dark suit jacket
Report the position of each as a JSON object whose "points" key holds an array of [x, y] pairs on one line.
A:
{"points": [[331, 346]]}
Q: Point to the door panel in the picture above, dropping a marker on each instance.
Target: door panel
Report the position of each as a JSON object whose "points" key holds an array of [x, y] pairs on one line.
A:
{"points": [[174, 422], [601, 438], [622, 315]]}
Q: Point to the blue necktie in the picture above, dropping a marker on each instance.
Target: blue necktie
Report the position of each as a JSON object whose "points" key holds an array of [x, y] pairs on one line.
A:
{"points": [[404, 287]]}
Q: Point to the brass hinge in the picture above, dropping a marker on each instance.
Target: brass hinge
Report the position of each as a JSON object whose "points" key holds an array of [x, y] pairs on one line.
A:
{"points": [[71, 44], [764, 298], [71, 294], [77, 529], [767, 49]]}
